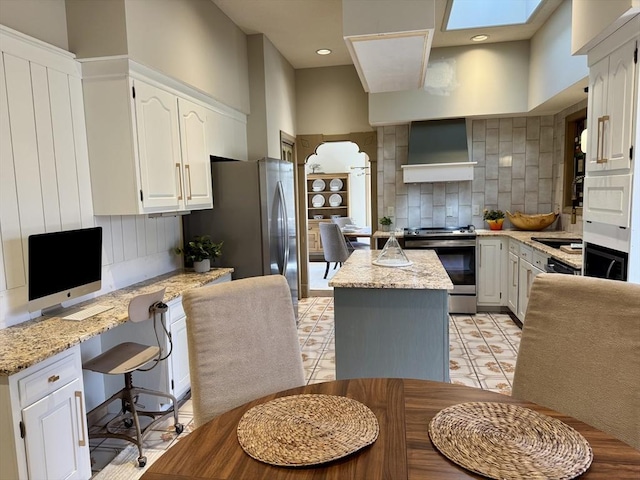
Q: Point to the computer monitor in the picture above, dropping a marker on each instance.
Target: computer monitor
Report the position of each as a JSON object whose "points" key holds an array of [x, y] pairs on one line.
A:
{"points": [[63, 266]]}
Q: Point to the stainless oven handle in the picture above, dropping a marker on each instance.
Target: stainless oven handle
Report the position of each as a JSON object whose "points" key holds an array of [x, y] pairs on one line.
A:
{"points": [[613, 262]]}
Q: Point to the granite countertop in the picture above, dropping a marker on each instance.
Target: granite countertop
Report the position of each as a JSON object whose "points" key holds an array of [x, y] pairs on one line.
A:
{"points": [[28, 343], [573, 259], [426, 273]]}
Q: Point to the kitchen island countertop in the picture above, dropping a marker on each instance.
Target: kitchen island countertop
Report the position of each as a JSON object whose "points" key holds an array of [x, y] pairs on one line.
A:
{"points": [[28, 343]]}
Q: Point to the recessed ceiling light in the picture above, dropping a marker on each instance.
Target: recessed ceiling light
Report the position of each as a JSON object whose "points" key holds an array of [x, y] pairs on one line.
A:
{"points": [[479, 38], [323, 51]]}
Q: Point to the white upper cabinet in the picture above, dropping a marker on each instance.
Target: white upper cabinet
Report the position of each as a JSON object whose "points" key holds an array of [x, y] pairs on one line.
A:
{"points": [[611, 110], [161, 170], [195, 154], [150, 138]]}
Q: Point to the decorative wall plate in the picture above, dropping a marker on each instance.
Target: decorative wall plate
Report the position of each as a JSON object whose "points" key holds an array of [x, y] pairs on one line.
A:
{"points": [[335, 200], [335, 185], [317, 200], [318, 185]]}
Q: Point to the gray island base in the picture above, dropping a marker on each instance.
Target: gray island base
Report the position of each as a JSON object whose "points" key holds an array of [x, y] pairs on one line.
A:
{"points": [[392, 321]]}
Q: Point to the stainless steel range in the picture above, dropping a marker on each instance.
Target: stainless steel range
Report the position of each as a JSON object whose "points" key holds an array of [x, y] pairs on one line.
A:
{"points": [[456, 249]]}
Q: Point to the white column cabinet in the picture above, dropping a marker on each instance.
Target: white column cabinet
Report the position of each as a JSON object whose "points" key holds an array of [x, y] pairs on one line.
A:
{"points": [[149, 143], [44, 432], [492, 264], [611, 110]]}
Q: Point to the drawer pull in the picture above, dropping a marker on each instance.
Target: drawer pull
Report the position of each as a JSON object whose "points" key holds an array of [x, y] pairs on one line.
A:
{"points": [[179, 180], [81, 442], [600, 139], [54, 378]]}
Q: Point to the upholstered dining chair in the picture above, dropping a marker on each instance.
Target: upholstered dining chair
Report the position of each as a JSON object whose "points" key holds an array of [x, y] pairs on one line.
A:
{"points": [[580, 352], [334, 245], [352, 241], [243, 343]]}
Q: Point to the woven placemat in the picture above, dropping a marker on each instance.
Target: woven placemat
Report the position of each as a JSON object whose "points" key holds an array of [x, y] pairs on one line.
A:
{"points": [[308, 429], [505, 441]]}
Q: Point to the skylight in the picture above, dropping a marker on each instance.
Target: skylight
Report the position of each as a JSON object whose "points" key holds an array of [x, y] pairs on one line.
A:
{"points": [[490, 13]]}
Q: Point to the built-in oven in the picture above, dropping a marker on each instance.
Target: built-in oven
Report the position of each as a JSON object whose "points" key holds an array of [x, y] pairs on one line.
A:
{"points": [[456, 249], [604, 262]]}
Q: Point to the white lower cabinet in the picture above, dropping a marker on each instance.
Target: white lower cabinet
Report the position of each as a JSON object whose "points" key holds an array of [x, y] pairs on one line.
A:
{"points": [[179, 359], [44, 434], [527, 272], [492, 265], [524, 264], [512, 296]]}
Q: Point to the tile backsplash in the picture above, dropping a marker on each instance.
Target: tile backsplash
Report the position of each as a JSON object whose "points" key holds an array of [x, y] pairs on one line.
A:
{"points": [[519, 168]]}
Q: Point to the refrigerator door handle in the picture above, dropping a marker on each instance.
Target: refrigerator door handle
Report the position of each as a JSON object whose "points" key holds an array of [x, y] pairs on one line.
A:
{"points": [[284, 228]]}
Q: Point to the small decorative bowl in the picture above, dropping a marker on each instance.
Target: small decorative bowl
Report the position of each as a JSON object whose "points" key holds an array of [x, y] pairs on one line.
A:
{"points": [[536, 222], [318, 217]]}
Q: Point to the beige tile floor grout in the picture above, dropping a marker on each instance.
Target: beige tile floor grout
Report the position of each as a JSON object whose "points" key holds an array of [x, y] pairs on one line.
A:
{"points": [[483, 350]]}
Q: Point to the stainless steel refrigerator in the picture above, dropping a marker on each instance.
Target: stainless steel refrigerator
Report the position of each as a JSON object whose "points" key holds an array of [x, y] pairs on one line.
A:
{"points": [[254, 214]]}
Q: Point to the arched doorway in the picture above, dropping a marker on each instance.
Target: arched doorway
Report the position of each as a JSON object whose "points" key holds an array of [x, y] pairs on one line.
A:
{"points": [[307, 145]]}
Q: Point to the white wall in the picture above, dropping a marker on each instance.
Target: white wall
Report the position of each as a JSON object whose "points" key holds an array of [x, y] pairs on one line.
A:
{"points": [[552, 68], [487, 79], [593, 20], [339, 157]]}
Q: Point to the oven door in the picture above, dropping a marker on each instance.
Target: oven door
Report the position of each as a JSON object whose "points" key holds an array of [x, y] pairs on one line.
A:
{"points": [[459, 260], [604, 262]]}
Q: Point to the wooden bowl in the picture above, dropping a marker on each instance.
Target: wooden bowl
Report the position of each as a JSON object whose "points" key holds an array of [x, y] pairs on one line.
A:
{"points": [[523, 221]]}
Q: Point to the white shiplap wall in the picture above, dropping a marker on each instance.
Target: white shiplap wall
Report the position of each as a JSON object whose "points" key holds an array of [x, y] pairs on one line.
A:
{"points": [[45, 181]]}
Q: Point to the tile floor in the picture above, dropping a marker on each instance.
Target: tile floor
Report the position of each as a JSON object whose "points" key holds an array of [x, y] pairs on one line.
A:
{"points": [[483, 349]]}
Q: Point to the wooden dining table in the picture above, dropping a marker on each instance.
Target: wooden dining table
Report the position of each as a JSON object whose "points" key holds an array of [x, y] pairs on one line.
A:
{"points": [[403, 450]]}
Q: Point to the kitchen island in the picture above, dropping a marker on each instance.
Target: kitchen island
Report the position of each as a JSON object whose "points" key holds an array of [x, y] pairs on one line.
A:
{"points": [[392, 321]]}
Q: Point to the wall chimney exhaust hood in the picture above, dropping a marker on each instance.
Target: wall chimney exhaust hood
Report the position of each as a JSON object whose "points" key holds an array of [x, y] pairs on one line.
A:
{"points": [[389, 42], [438, 152]]}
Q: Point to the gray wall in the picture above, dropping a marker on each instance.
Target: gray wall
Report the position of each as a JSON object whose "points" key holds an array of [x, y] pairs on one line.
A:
{"points": [[190, 40], [44, 20], [331, 101]]}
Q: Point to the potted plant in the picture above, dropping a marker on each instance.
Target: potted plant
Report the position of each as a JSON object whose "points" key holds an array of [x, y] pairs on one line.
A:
{"points": [[201, 250], [494, 218], [386, 223]]}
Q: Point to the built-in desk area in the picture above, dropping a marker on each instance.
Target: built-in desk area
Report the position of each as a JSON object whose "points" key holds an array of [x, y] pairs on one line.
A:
{"points": [[42, 391]]}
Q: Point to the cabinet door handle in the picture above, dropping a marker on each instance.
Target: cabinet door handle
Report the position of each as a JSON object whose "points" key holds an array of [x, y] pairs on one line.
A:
{"points": [[179, 180], [53, 378], [188, 170], [600, 142], [81, 441]]}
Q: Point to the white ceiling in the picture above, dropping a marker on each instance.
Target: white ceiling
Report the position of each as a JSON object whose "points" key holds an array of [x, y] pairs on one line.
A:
{"points": [[298, 28]]}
